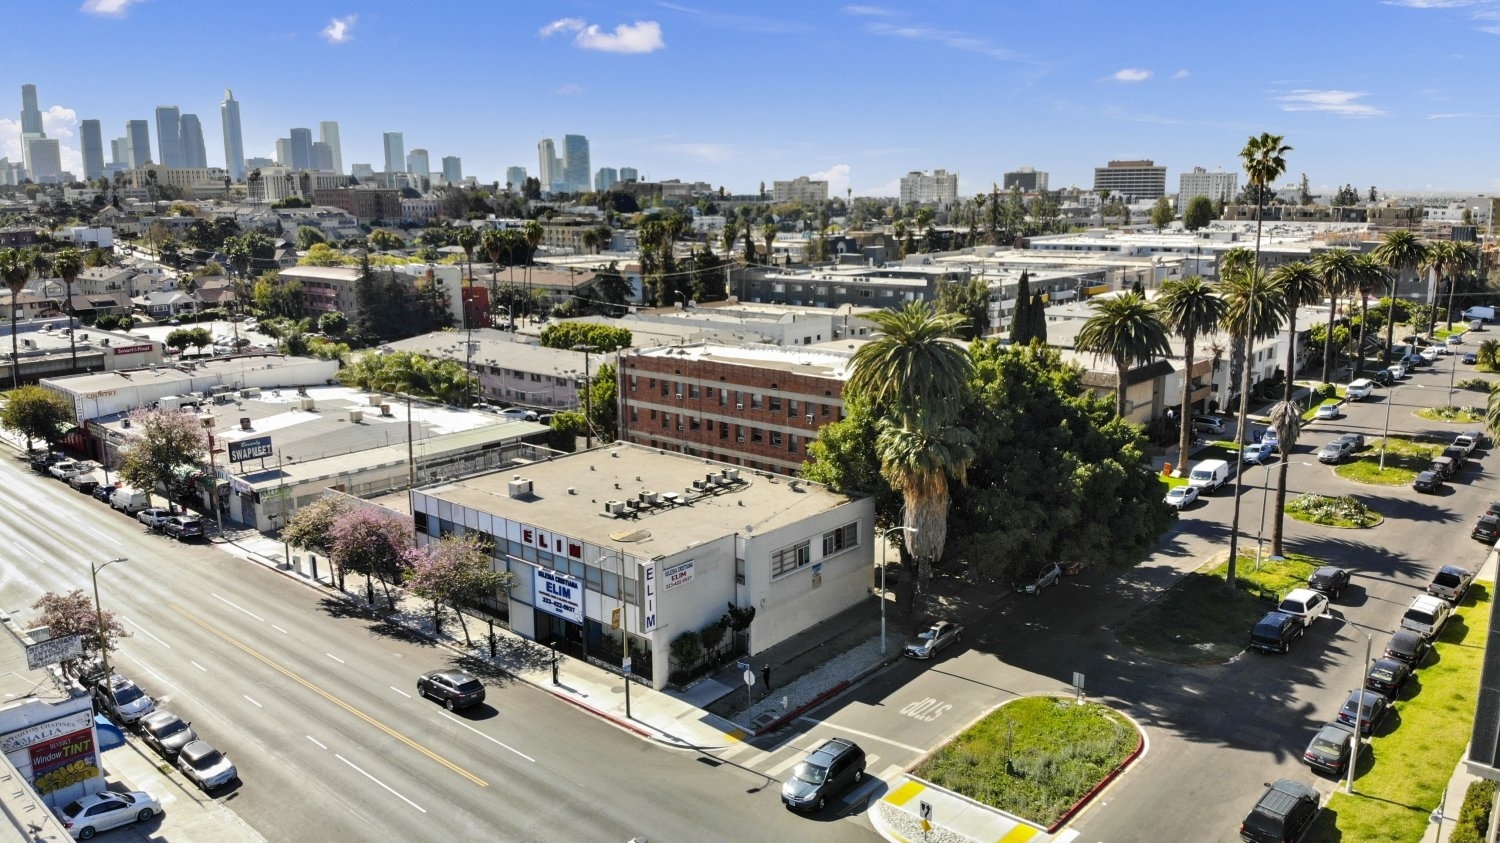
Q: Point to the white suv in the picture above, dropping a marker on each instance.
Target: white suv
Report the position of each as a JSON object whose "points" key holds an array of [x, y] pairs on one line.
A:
{"points": [[1426, 615], [1304, 603]]}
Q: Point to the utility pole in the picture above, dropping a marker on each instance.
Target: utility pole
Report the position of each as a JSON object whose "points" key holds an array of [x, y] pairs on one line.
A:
{"points": [[588, 396]]}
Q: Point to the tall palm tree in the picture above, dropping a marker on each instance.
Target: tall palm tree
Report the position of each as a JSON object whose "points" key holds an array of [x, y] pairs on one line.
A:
{"points": [[1264, 162], [493, 242], [1398, 251], [1286, 419], [1299, 283], [14, 270], [1127, 329], [1369, 276], [1192, 308], [1335, 269], [68, 264], [534, 232], [1465, 257], [915, 380], [1443, 259], [768, 234], [468, 240]]}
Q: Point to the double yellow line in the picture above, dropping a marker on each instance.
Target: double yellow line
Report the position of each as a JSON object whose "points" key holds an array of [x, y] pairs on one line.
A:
{"points": [[331, 698]]}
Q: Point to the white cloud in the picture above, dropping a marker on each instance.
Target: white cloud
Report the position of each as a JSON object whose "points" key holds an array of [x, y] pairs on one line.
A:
{"points": [[1433, 4], [1182, 74], [889, 189], [107, 8], [868, 11], [946, 37], [837, 177], [338, 30], [1131, 74], [58, 123], [639, 37], [1452, 115], [707, 151], [570, 89], [1332, 101]]}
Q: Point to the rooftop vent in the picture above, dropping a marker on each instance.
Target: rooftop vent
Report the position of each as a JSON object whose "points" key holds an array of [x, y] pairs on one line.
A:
{"points": [[614, 507], [385, 410], [244, 422], [356, 416], [374, 400], [519, 487], [308, 403]]}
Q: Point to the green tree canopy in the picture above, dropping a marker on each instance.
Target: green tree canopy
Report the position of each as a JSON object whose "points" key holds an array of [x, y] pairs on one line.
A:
{"points": [[1199, 213], [164, 441], [603, 338], [36, 412]]}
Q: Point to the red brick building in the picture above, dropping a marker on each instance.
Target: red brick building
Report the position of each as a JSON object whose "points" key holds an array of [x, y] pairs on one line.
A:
{"points": [[755, 406], [362, 203]]}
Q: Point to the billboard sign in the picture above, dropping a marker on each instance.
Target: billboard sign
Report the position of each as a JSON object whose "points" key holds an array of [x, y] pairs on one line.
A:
{"points": [[54, 650], [557, 594], [254, 448]]}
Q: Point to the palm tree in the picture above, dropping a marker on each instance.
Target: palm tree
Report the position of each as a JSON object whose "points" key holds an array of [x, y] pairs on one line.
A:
{"points": [[1192, 308], [1444, 258], [915, 380], [468, 240], [1264, 163], [1398, 251], [1298, 283], [1286, 419], [252, 181], [1335, 269], [14, 270], [534, 232], [493, 242], [68, 264], [1369, 276], [768, 234], [1127, 329]]}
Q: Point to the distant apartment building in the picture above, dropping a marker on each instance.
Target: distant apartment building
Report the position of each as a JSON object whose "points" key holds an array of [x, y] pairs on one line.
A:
{"points": [[629, 174], [939, 188], [1026, 179], [364, 203], [549, 168], [878, 286], [169, 135], [800, 190], [576, 166], [45, 160], [418, 164], [302, 158], [395, 152], [750, 406], [137, 143], [193, 154], [515, 177], [1140, 179], [328, 133], [234, 144], [322, 157], [453, 169], [1218, 186]]}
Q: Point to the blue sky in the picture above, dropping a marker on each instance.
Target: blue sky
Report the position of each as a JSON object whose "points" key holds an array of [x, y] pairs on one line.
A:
{"points": [[1396, 94]]}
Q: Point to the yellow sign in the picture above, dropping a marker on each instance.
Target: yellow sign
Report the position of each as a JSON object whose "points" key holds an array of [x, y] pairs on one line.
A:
{"points": [[614, 618]]}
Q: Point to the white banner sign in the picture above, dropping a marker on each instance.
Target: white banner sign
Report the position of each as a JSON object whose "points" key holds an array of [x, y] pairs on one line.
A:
{"points": [[53, 650], [648, 593], [679, 574], [46, 731], [557, 594]]}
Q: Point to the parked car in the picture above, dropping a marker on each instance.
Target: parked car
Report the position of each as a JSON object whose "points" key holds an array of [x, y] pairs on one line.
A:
{"points": [[85, 483], [1383, 377], [930, 640], [1267, 436], [1335, 451], [1208, 424], [129, 501], [1359, 390], [1444, 466], [1470, 358], [166, 733], [153, 517], [1387, 676], [1179, 497], [826, 772], [1275, 632], [1050, 574], [1397, 371], [1284, 814], [102, 493], [1257, 453], [1366, 707], [183, 527], [453, 688], [1331, 410], [88, 815], [121, 699], [1458, 454], [1305, 604], [1356, 441], [1208, 476], [1407, 646], [1430, 482], [1431, 353], [45, 460], [1426, 615], [205, 766], [1487, 528], [519, 414], [1330, 580], [1469, 441], [1329, 749], [1454, 339], [1450, 583]]}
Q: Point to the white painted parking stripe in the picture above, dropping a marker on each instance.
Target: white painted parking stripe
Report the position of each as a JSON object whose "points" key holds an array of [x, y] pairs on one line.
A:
{"points": [[335, 658], [316, 741], [132, 622], [399, 691], [257, 705]]}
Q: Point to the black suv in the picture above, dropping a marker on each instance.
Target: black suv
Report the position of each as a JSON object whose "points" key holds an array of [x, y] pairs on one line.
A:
{"points": [[1487, 529], [1329, 579], [453, 688], [1275, 632], [827, 771], [1283, 815], [183, 527]]}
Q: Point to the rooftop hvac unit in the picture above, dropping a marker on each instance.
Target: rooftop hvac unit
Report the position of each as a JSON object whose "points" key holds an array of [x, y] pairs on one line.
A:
{"points": [[385, 410], [244, 422], [250, 392], [614, 507], [356, 416], [720, 479], [308, 403], [634, 504], [698, 484], [28, 343], [374, 400], [732, 473], [650, 497], [208, 421], [519, 487], [709, 479]]}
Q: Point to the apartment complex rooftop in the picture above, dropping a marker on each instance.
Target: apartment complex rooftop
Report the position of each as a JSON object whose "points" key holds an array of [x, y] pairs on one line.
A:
{"points": [[806, 360]]}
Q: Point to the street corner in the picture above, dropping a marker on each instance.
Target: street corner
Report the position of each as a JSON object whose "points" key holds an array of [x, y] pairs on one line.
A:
{"points": [[915, 810]]}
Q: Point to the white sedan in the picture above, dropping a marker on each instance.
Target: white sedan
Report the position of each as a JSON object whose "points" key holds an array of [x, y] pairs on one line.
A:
{"points": [[96, 812], [1180, 497], [1328, 411]]}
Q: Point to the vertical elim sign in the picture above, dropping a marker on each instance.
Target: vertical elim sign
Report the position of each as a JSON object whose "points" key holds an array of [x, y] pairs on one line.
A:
{"points": [[648, 596]]}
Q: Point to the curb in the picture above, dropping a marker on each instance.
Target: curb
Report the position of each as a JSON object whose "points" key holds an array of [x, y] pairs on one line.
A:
{"points": [[617, 721], [1140, 747], [800, 710]]}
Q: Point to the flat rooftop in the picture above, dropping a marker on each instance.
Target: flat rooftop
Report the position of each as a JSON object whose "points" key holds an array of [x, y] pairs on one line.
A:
{"points": [[798, 359]]}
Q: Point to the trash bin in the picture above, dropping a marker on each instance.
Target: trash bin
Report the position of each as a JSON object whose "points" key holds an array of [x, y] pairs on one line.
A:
{"points": [[1166, 469]]}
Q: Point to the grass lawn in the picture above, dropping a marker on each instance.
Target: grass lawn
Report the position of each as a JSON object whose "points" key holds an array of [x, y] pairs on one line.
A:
{"points": [[1403, 460], [1198, 621], [1332, 512], [1453, 415], [1034, 757], [1410, 765]]}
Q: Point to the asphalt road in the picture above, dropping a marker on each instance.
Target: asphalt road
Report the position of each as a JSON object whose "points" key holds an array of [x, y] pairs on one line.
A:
{"points": [[316, 705], [1215, 733]]}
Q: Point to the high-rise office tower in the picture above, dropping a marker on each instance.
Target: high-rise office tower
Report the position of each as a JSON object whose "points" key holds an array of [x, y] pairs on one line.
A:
{"points": [[546, 161], [138, 143], [453, 169], [31, 116], [418, 165], [629, 174], [119, 152], [45, 157], [193, 152], [302, 149], [576, 169], [328, 132], [605, 178], [322, 157], [361, 171], [395, 152], [234, 142], [283, 152], [169, 135], [93, 149], [515, 177]]}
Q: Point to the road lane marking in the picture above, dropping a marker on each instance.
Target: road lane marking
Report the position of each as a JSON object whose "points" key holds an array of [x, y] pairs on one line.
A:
{"points": [[148, 633], [241, 608], [379, 782], [335, 658], [247, 696], [268, 662], [842, 729], [399, 691], [487, 737], [199, 666], [279, 629], [316, 741], [29, 553], [111, 539]]}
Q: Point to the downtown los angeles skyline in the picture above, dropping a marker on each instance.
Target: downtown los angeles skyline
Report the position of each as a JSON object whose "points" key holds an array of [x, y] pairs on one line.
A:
{"points": [[1366, 92]]}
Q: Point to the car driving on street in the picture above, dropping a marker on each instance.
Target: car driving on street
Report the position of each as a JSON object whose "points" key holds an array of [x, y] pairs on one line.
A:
{"points": [[930, 640]]}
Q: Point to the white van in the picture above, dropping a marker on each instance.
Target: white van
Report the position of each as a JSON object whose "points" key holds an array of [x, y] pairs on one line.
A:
{"points": [[129, 500], [1359, 389], [1485, 313], [1208, 476]]}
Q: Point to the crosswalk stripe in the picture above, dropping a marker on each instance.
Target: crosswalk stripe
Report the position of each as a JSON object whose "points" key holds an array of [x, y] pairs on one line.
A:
{"points": [[783, 766]]}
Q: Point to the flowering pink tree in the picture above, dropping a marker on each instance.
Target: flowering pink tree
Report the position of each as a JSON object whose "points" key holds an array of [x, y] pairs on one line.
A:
{"points": [[164, 441], [454, 569], [73, 614], [374, 543]]}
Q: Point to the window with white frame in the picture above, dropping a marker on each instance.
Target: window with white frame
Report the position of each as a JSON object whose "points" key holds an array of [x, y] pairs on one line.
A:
{"points": [[789, 559], [841, 539]]}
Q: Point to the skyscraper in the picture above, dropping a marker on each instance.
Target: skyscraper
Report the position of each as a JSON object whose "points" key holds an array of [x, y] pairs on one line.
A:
{"points": [[138, 143], [93, 149], [453, 169], [31, 116], [418, 164], [283, 152], [629, 174], [605, 178], [328, 132], [234, 142], [169, 135], [576, 169], [322, 157], [119, 152], [515, 177], [46, 160], [193, 153], [395, 152], [302, 149], [546, 160]]}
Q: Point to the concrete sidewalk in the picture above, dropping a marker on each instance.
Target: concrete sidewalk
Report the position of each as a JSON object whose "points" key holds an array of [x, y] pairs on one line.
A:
{"points": [[187, 812]]}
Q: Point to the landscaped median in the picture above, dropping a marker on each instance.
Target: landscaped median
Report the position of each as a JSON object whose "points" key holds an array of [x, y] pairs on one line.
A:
{"points": [[1404, 458]]}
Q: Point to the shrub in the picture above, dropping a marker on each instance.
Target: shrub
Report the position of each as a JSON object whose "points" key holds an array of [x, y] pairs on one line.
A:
{"points": [[1473, 823], [1322, 509], [1477, 384], [687, 650]]}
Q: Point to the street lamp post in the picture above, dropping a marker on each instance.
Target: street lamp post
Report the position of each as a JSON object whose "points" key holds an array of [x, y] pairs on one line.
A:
{"points": [[1359, 716], [1264, 489], [94, 569], [884, 543], [1390, 399], [625, 667], [588, 397]]}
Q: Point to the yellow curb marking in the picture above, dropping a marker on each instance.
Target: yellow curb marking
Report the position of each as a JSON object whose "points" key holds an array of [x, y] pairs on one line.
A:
{"points": [[905, 793], [1018, 834]]}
